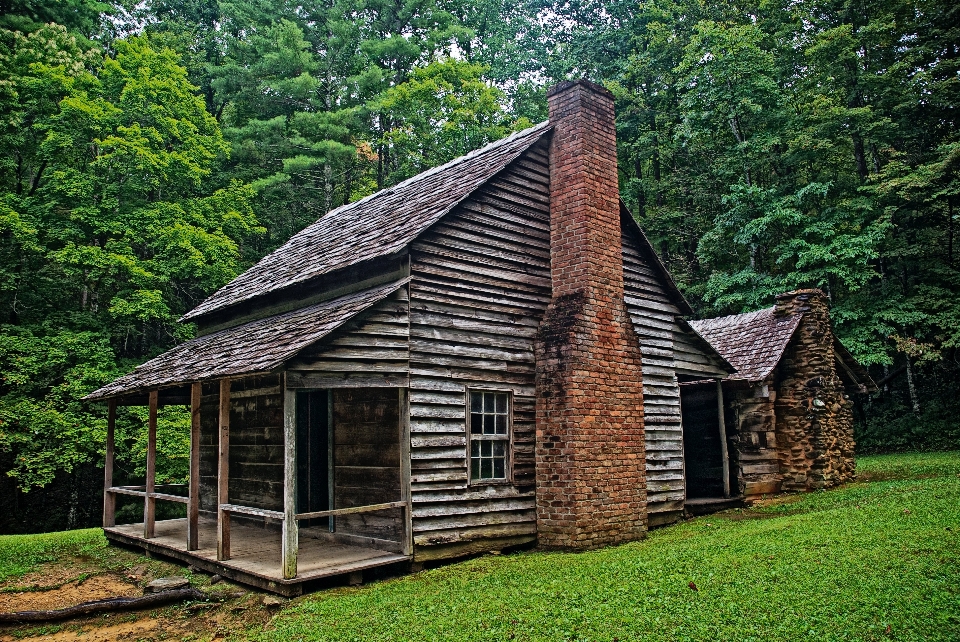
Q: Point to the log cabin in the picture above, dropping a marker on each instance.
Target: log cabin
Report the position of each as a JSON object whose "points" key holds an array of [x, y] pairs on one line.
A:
{"points": [[789, 404], [487, 355]]}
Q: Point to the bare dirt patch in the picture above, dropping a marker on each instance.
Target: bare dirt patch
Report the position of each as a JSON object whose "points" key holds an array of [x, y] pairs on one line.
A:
{"points": [[98, 587], [230, 611], [51, 576], [146, 629]]}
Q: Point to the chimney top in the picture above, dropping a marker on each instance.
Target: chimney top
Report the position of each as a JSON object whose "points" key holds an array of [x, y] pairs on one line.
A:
{"points": [[797, 301], [583, 82]]}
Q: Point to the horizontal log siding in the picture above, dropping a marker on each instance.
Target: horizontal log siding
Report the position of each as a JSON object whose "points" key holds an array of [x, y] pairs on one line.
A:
{"points": [[256, 444], [653, 319], [366, 429], [480, 286], [372, 351], [667, 349]]}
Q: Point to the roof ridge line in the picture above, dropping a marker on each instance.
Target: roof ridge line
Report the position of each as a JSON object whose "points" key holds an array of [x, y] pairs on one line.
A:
{"points": [[433, 170]]}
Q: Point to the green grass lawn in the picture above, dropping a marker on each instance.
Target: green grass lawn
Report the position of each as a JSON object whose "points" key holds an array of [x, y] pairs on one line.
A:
{"points": [[875, 560], [20, 554]]}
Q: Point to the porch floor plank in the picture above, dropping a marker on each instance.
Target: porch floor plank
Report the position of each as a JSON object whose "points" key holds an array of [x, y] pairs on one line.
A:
{"points": [[255, 552]]}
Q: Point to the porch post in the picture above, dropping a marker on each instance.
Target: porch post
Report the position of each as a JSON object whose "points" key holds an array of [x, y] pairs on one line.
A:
{"points": [[193, 494], [223, 473], [109, 499], [150, 503], [405, 494], [723, 441], [331, 470], [289, 542]]}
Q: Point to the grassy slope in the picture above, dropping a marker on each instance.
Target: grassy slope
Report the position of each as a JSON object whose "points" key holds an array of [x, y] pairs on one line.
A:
{"points": [[20, 554], [876, 560]]}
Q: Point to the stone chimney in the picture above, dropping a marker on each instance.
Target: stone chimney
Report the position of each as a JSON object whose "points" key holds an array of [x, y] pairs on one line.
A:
{"points": [[591, 470], [814, 417]]}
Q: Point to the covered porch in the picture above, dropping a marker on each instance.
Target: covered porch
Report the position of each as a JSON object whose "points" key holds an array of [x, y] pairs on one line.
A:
{"points": [[298, 469], [325, 499], [710, 481]]}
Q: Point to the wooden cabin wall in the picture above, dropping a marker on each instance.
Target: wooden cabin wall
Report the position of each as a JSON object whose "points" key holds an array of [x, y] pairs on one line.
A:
{"points": [[256, 444], [366, 429], [480, 286], [667, 349], [364, 364], [690, 358], [371, 351], [756, 450]]}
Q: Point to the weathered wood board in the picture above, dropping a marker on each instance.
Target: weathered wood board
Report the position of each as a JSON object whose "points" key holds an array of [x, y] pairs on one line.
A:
{"points": [[480, 286]]}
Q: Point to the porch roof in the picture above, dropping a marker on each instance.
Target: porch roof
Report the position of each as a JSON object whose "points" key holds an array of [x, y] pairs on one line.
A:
{"points": [[257, 347]]}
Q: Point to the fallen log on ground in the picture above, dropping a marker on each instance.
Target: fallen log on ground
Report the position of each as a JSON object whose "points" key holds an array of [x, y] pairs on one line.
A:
{"points": [[103, 606]]}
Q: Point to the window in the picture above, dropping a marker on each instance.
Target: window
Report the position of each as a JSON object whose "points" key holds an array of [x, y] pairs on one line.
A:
{"points": [[489, 435]]}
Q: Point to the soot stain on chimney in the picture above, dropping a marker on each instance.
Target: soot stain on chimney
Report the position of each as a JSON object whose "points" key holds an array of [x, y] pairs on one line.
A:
{"points": [[553, 336]]}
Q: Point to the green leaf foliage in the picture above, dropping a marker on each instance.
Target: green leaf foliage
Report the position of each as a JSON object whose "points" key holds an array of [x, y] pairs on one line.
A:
{"points": [[110, 232]]}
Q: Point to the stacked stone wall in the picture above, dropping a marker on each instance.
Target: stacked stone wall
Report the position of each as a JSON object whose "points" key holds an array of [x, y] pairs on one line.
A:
{"points": [[814, 417], [590, 464]]}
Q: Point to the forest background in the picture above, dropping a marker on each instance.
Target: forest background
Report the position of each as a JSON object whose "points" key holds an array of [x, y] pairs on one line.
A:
{"points": [[151, 151]]}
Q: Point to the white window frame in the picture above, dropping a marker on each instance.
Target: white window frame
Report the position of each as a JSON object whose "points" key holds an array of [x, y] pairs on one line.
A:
{"points": [[508, 439]]}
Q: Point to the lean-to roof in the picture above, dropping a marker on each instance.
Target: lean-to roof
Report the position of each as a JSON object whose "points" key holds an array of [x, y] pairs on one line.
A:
{"points": [[753, 343], [252, 348], [379, 225]]}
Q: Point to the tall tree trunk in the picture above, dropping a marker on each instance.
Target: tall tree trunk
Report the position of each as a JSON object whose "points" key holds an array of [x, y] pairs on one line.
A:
{"points": [[860, 156], [327, 168], [641, 198], [950, 231], [913, 389], [656, 170]]}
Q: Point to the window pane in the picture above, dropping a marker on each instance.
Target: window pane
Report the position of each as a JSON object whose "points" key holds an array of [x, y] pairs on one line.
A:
{"points": [[489, 416]]}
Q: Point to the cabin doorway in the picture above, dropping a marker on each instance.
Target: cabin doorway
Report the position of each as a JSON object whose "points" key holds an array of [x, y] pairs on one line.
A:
{"points": [[348, 456], [705, 455], [314, 454]]}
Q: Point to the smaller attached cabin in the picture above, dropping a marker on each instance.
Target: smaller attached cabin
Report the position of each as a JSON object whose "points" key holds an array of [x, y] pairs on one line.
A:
{"points": [[789, 403]]}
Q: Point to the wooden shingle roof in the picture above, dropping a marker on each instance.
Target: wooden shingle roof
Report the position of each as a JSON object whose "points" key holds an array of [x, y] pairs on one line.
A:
{"points": [[379, 225], [753, 343], [252, 348]]}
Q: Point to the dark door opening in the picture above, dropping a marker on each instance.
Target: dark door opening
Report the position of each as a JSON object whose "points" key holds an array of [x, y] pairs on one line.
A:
{"points": [[702, 450], [313, 454]]}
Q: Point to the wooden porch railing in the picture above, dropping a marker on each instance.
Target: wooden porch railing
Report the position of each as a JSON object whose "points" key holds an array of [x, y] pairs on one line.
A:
{"points": [[289, 546], [140, 491]]}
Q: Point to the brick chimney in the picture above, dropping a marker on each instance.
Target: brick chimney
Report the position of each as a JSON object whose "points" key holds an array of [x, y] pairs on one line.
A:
{"points": [[591, 471]]}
